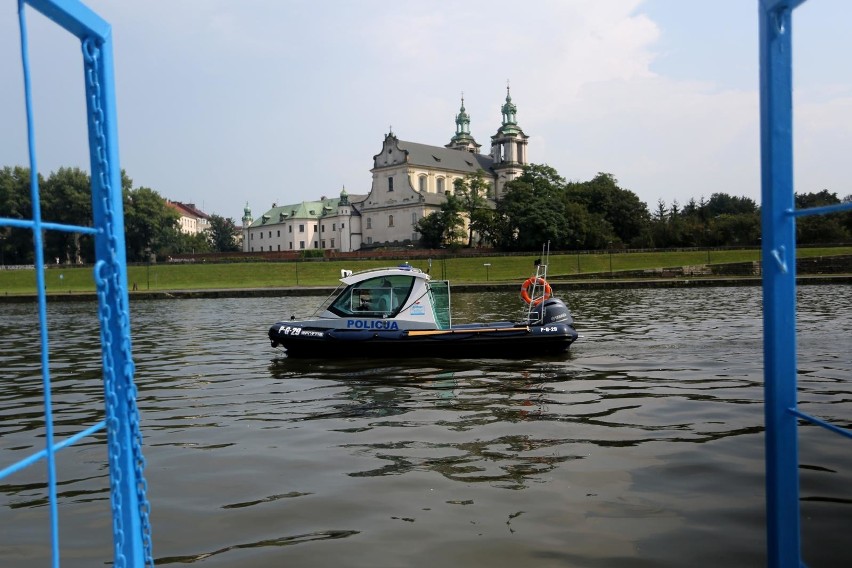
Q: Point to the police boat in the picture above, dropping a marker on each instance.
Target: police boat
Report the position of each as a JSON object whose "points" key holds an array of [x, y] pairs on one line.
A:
{"points": [[401, 312]]}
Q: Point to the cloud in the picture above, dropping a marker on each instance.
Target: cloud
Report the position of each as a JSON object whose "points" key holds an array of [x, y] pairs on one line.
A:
{"points": [[223, 101], [822, 129]]}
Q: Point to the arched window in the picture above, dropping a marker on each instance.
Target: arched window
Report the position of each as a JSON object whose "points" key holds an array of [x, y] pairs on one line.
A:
{"points": [[390, 220], [369, 222], [440, 185], [422, 184], [390, 183]]}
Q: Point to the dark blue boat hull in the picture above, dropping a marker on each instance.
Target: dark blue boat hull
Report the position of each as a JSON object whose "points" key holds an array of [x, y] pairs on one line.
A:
{"points": [[496, 341]]}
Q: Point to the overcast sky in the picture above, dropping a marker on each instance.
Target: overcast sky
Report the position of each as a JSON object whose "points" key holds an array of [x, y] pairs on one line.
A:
{"points": [[223, 102]]}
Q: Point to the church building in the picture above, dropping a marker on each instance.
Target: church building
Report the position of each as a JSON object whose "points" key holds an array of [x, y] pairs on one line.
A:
{"points": [[410, 180]]}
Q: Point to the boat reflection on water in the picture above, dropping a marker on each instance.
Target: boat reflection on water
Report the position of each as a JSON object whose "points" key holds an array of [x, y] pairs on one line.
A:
{"points": [[478, 394]]}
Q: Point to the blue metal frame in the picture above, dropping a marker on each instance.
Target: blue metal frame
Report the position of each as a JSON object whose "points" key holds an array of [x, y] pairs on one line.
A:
{"points": [[779, 284], [130, 507], [131, 527]]}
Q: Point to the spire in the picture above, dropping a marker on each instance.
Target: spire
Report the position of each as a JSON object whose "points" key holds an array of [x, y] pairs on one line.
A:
{"points": [[462, 140], [509, 109], [462, 120]]}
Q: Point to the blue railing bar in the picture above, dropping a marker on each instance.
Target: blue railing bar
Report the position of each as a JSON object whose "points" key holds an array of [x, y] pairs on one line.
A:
{"points": [[26, 462], [823, 423], [73, 17], [38, 244], [779, 283], [825, 209], [25, 224]]}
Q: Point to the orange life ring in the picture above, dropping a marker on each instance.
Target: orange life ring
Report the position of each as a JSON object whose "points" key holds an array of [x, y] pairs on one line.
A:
{"points": [[525, 287]]}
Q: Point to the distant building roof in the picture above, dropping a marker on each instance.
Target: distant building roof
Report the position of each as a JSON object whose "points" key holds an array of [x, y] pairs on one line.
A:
{"points": [[445, 158], [304, 210], [187, 209]]}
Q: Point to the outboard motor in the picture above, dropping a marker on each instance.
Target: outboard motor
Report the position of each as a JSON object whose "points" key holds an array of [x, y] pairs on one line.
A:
{"points": [[552, 310]]}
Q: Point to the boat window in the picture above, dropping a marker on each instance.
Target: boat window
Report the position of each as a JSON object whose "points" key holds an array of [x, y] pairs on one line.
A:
{"points": [[374, 297]]}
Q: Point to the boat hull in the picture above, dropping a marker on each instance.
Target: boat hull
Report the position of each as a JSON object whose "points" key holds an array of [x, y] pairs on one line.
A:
{"points": [[494, 341]]}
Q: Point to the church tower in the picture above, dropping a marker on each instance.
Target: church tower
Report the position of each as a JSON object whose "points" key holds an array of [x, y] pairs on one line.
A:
{"points": [[247, 221], [463, 139], [508, 147]]}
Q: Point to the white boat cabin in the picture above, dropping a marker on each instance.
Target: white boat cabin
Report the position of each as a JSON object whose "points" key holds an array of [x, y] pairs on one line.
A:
{"points": [[401, 297]]}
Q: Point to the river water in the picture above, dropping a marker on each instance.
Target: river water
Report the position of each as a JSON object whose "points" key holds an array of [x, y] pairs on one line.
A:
{"points": [[641, 447]]}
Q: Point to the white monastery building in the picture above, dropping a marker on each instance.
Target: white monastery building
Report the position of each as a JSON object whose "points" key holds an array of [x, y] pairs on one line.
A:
{"points": [[410, 180]]}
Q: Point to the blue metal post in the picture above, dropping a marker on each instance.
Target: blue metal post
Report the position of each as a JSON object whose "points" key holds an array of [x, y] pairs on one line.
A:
{"points": [[107, 208], [131, 538], [779, 282]]}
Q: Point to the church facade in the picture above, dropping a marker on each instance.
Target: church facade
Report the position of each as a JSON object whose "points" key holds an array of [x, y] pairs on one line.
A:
{"points": [[410, 181]]}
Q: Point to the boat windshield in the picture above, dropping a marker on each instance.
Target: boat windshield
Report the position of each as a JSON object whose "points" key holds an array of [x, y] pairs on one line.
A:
{"points": [[439, 290], [381, 296]]}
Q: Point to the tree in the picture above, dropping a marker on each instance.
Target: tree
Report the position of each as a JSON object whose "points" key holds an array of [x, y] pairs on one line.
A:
{"points": [[149, 224], [814, 229], [67, 198], [483, 222], [819, 199], [222, 233], [659, 225], [532, 211], [178, 242], [735, 229], [847, 217], [443, 227], [724, 204], [451, 210], [16, 245], [622, 209], [662, 211], [470, 192], [431, 229]]}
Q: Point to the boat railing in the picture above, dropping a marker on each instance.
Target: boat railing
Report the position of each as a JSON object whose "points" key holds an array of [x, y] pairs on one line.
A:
{"points": [[538, 288], [329, 300], [778, 254], [128, 490], [404, 266]]}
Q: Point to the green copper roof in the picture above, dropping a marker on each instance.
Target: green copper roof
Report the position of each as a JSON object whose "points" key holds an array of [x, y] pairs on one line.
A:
{"points": [[509, 110], [462, 121], [304, 210]]}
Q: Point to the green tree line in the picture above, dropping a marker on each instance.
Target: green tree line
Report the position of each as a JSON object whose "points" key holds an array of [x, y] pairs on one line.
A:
{"points": [[151, 227], [541, 206]]}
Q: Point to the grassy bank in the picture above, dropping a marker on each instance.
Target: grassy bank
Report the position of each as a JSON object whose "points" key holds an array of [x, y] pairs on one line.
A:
{"points": [[201, 276]]}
